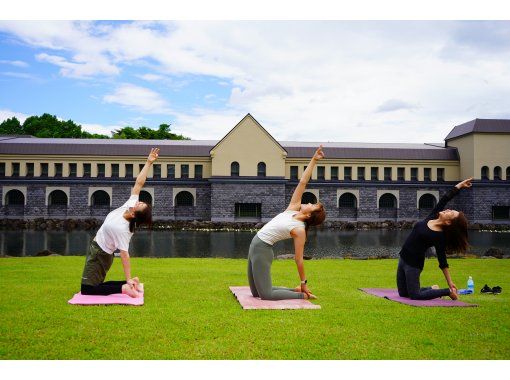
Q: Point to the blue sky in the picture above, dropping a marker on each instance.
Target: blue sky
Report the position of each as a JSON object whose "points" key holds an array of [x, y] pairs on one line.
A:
{"points": [[371, 81]]}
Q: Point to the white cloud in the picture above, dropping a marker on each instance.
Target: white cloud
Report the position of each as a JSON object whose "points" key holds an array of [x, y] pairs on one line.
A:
{"points": [[301, 80], [7, 114], [100, 129], [14, 63], [138, 98]]}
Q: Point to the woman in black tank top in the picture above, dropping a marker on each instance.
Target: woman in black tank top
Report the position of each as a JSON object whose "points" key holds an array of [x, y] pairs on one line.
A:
{"points": [[446, 230]]}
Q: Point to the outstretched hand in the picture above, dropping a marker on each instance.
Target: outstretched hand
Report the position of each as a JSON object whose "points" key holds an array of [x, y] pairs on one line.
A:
{"points": [[153, 156], [465, 184], [319, 154]]}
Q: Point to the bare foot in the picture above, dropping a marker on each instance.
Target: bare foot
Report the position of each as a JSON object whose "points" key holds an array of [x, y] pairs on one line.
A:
{"points": [[127, 289], [309, 297], [297, 289], [139, 287], [435, 286], [136, 280], [453, 295]]}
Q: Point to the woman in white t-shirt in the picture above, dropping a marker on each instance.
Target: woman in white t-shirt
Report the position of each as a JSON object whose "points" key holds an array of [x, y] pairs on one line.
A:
{"points": [[115, 234], [292, 223]]}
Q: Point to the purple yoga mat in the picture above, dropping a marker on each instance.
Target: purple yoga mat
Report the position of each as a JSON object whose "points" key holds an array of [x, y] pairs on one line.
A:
{"points": [[392, 295], [112, 299], [247, 301]]}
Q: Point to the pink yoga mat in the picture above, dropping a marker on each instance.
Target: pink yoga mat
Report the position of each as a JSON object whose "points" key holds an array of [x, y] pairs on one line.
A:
{"points": [[392, 295], [247, 301], [112, 299]]}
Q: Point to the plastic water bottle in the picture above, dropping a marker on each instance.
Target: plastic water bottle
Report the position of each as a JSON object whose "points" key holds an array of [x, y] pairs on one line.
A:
{"points": [[471, 284]]}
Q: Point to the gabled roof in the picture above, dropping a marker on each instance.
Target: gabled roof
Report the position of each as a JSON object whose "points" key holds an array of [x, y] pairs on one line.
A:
{"points": [[480, 126], [249, 116]]}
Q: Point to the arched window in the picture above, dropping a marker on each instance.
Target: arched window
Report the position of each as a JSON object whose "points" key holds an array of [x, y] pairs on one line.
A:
{"points": [[261, 169], [234, 169], [497, 173], [184, 198], [485, 172], [427, 202], [57, 198], [387, 201], [14, 198], [347, 200], [308, 198], [100, 198], [508, 173], [145, 197]]}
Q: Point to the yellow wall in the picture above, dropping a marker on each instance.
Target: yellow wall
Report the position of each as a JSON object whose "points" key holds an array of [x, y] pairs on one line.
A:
{"points": [[482, 149], [451, 168], [248, 144], [108, 161]]}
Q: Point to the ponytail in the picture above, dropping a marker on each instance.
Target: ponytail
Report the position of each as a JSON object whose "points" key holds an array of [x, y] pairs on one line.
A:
{"points": [[141, 217]]}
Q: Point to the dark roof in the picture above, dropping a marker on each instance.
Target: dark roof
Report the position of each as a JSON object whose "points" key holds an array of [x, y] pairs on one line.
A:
{"points": [[480, 126], [372, 151], [201, 148], [106, 147]]}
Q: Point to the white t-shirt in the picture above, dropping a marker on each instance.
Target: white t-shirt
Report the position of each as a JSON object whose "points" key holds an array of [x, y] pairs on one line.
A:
{"points": [[114, 233], [279, 227]]}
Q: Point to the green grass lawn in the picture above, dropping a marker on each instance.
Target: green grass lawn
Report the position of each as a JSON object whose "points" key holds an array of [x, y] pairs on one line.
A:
{"points": [[189, 313]]}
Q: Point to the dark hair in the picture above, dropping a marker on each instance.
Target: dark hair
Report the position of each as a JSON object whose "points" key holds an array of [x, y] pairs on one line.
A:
{"points": [[456, 235], [141, 217], [316, 217]]}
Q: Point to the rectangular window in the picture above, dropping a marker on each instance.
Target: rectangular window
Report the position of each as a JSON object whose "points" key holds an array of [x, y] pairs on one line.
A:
{"points": [[184, 171], [347, 173], [293, 172], [156, 171], [321, 172], [30, 169], [401, 173], [199, 171], [170, 171], [374, 173], [2, 169], [87, 170], [334, 173], [73, 170], [129, 170], [440, 174], [387, 174], [15, 169], [427, 173], [115, 170], [58, 170], [361, 173], [101, 170], [140, 167], [248, 210], [44, 170], [414, 174], [500, 212]]}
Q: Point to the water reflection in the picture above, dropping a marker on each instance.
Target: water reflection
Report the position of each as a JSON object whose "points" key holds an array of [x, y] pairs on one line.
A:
{"points": [[232, 244]]}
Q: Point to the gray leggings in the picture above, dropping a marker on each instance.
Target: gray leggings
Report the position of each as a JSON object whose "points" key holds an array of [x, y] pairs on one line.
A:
{"points": [[260, 258], [408, 283]]}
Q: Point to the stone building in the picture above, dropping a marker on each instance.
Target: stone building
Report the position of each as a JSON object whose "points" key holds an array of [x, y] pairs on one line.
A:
{"points": [[249, 176]]}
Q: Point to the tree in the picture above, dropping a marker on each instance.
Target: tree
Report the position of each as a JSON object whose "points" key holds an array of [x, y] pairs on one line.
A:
{"points": [[146, 133], [11, 126]]}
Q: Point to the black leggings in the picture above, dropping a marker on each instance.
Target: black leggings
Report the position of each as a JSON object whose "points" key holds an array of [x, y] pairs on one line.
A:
{"points": [[103, 289], [408, 284]]}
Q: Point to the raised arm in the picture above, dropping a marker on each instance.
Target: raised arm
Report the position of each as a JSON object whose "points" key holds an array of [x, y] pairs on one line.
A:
{"points": [[140, 180], [448, 196], [295, 202]]}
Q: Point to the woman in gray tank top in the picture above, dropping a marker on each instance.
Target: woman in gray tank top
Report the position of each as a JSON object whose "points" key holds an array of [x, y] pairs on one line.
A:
{"points": [[292, 223]]}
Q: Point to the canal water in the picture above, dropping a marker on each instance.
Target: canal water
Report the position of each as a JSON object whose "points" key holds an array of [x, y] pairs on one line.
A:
{"points": [[234, 244]]}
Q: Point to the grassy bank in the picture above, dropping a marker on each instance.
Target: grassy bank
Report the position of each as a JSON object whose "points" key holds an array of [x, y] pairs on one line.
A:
{"points": [[189, 313]]}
